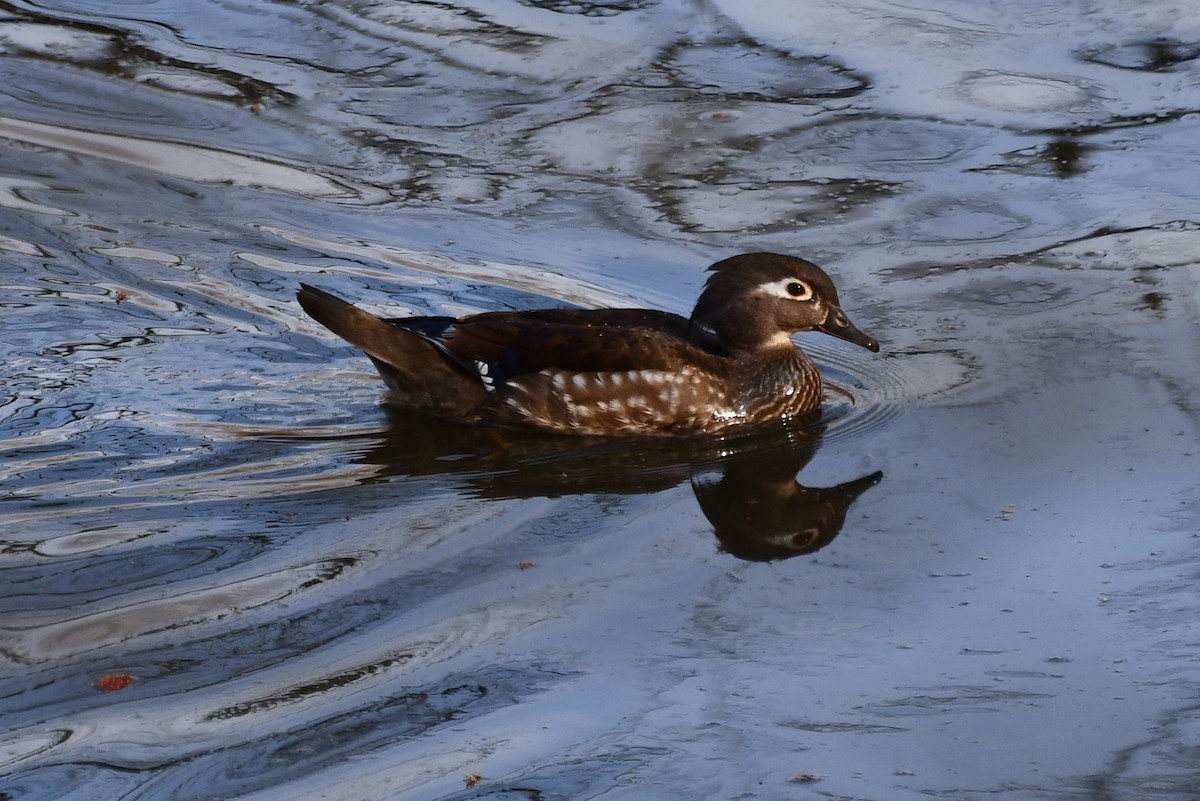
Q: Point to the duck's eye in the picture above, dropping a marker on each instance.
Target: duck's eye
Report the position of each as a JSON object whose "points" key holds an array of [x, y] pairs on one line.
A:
{"points": [[798, 290]]}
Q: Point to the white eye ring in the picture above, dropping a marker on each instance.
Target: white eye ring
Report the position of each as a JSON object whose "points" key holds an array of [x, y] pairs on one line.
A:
{"points": [[790, 288], [797, 290]]}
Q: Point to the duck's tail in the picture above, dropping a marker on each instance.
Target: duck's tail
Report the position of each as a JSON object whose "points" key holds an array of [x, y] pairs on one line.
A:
{"points": [[418, 372]]}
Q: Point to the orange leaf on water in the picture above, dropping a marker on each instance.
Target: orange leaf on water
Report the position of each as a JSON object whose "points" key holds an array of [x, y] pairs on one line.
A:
{"points": [[114, 681]]}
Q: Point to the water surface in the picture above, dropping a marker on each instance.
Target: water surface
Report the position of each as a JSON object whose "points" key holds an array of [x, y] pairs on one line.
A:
{"points": [[230, 572]]}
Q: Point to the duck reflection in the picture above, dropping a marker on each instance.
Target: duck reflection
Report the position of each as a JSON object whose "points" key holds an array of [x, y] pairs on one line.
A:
{"points": [[746, 485]]}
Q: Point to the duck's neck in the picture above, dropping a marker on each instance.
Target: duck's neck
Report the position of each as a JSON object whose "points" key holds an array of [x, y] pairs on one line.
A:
{"points": [[734, 323]]}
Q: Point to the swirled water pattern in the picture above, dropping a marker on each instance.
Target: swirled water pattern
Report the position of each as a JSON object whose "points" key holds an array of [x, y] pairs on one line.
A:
{"points": [[230, 572]]}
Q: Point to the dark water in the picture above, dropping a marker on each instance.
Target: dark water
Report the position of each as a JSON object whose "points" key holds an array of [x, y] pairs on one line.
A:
{"points": [[229, 572]]}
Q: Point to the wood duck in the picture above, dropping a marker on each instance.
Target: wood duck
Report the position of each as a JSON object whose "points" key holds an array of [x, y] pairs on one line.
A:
{"points": [[614, 371]]}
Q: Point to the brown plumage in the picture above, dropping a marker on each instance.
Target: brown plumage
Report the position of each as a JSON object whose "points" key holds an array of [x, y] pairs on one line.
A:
{"points": [[613, 371]]}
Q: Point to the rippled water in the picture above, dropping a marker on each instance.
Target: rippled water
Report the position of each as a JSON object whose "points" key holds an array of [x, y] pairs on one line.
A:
{"points": [[230, 572]]}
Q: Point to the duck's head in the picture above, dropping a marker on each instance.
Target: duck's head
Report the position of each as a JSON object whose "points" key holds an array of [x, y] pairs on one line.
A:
{"points": [[758, 300]]}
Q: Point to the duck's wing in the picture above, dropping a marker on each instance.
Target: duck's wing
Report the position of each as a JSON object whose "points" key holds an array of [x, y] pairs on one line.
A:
{"points": [[559, 369], [501, 346]]}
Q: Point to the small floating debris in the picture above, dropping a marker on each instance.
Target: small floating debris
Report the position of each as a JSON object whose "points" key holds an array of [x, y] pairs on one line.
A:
{"points": [[806, 777], [114, 681]]}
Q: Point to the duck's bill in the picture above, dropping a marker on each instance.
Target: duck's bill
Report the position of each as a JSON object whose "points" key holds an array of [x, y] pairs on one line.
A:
{"points": [[837, 325]]}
